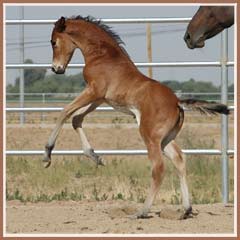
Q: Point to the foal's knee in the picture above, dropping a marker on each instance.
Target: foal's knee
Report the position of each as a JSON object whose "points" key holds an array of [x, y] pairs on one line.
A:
{"points": [[77, 121]]}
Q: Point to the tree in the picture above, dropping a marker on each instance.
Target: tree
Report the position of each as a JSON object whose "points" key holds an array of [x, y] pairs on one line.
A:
{"points": [[231, 88], [36, 81], [59, 83], [191, 86], [32, 75], [174, 85]]}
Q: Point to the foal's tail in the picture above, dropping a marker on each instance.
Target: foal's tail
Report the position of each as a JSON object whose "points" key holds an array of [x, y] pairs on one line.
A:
{"points": [[204, 107]]}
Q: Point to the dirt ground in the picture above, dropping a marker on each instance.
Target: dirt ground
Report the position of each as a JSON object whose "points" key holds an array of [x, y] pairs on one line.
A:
{"points": [[111, 217]]}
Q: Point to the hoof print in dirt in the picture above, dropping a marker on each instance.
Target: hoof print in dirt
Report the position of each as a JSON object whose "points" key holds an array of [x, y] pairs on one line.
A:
{"points": [[139, 216], [180, 214]]}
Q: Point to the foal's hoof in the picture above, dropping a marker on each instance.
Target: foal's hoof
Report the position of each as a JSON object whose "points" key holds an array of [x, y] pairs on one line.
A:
{"points": [[47, 161], [47, 155], [100, 162], [187, 214], [96, 158], [47, 164]]}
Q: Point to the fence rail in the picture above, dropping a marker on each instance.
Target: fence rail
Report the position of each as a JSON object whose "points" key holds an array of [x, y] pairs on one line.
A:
{"points": [[74, 94], [58, 109], [115, 152], [138, 64], [104, 20], [102, 152]]}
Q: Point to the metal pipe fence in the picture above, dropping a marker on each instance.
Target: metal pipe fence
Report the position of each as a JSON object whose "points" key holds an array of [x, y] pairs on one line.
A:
{"points": [[104, 20], [223, 64], [157, 64], [47, 98], [58, 109], [114, 152], [74, 94]]}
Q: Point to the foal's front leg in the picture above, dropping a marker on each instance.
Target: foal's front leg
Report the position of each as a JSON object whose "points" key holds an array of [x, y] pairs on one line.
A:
{"points": [[77, 125], [86, 97]]}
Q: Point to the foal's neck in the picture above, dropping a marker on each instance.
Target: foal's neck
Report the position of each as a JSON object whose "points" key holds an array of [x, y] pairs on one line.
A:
{"points": [[94, 42]]}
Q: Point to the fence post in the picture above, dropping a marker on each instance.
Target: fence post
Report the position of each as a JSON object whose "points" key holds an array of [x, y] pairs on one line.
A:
{"points": [[43, 102], [21, 81], [149, 47], [224, 118]]}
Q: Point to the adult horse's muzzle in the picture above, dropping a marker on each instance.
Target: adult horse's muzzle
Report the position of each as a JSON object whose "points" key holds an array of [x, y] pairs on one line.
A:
{"points": [[58, 69], [199, 43]]}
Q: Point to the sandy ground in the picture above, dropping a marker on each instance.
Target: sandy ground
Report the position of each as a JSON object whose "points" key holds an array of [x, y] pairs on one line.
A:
{"points": [[111, 217]]}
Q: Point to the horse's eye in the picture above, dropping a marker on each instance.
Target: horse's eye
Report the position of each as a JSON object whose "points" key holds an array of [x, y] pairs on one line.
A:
{"points": [[53, 43]]}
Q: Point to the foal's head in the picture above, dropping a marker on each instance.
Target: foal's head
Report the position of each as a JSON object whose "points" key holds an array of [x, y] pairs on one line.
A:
{"points": [[206, 23], [62, 45]]}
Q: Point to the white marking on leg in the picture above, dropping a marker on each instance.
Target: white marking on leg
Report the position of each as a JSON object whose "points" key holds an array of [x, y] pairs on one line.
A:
{"points": [[86, 97], [87, 149], [55, 133], [82, 110], [85, 144], [173, 152], [185, 193]]}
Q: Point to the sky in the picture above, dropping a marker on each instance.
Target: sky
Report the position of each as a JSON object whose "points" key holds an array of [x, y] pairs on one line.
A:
{"points": [[167, 39]]}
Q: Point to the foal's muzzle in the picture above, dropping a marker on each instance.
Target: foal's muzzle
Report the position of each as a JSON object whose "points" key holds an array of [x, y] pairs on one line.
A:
{"points": [[58, 69]]}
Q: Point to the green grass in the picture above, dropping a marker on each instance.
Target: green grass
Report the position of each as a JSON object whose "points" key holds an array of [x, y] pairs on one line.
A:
{"points": [[127, 179], [72, 178]]}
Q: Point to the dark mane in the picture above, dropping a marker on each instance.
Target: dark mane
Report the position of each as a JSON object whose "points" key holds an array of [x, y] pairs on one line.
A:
{"points": [[103, 26]]}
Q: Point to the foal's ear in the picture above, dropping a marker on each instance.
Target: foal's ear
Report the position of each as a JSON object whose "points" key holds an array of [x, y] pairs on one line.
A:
{"points": [[60, 24]]}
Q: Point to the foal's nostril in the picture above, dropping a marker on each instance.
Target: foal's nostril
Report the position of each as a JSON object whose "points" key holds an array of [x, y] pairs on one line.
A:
{"points": [[58, 69]]}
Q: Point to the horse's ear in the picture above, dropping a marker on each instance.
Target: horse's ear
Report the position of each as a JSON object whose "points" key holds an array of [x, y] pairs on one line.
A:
{"points": [[60, 25]]}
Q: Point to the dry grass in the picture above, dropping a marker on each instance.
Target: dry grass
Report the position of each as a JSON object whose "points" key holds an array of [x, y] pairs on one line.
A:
{"points": [[78, 178]]}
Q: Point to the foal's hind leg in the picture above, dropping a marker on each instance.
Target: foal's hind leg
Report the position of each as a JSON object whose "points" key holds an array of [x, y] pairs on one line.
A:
{"points": [[77, 125], [155, 155], [173, 152]]}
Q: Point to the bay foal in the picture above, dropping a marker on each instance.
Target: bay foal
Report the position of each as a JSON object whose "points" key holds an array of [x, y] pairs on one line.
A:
{"points": [[112, 78]]}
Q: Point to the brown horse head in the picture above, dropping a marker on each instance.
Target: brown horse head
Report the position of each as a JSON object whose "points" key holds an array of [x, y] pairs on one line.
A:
{"points": [[90, 35], [206, 23], [62, 45]]}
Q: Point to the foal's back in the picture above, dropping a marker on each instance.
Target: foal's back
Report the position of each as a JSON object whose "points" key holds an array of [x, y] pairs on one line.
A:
{"points": [[125, 84]]}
